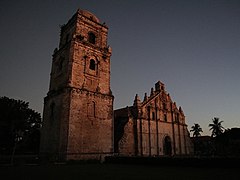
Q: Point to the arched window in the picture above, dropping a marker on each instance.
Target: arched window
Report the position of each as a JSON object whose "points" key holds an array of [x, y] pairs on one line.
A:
{"points": [[92, 65], [91, 38]]}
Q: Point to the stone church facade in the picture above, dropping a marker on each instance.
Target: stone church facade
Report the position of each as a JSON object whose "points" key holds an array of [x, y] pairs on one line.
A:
{"points": [[152, 127], [78, 117]]}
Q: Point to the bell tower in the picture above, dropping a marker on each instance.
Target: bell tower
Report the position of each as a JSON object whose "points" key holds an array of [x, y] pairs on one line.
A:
{"points": [[78, 109]]}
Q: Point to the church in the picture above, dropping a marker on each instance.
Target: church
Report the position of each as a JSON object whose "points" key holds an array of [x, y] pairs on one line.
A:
{"points": [[78, 117], [152, 127]]}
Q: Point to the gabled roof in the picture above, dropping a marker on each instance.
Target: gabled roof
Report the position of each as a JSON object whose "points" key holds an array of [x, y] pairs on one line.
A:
{"points": [[159, 91]]}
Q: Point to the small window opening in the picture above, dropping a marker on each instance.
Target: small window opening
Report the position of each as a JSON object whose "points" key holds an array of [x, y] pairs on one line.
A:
{"points": [[165, 106], [177, 118], [165, 117], [153, 116], [80, 37], [92, 38], [92, 65]]}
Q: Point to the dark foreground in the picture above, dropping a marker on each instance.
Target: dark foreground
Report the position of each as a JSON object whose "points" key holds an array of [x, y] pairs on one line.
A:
{"points": [[115, 171]]}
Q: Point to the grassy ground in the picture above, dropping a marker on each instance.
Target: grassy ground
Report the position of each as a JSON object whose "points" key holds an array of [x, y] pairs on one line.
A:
{"points": [[114, 172]]}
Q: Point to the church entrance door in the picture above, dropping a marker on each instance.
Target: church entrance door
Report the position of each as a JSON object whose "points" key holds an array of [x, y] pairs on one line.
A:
{"points": [[167, 146]]}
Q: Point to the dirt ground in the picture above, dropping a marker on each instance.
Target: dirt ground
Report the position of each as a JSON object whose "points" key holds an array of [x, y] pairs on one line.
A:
{"points": [[114, 172]]}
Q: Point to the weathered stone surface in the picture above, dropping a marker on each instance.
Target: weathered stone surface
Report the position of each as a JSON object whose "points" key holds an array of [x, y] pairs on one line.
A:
{"points": [[152, 127], [78, 110]]}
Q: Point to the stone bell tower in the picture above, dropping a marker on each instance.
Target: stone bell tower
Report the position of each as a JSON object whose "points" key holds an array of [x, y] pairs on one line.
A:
{"points": [[78, 109]]}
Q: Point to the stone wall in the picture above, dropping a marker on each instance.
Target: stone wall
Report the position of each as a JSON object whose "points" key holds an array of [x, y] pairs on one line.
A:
{"points": [[78, 110], [90, 124], [151, 125]]}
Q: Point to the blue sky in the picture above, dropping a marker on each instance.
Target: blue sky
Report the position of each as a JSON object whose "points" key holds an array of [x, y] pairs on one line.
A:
{"points": [[192, 46]]}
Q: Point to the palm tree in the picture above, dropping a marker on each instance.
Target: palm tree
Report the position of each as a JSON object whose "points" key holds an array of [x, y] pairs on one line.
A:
{"points": [[196, 129], [216, 127]]}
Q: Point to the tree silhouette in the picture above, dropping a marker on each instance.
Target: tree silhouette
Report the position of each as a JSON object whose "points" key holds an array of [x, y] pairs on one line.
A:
{"points": [[18, 125], [196, 129], [216, 127]]}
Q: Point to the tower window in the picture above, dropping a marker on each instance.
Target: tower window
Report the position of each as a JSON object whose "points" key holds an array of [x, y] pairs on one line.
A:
{"points": [[91, 38], [92, 65]]}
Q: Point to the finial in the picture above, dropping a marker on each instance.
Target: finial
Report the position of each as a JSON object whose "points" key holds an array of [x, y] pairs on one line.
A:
{"points": [[180, 108], [152, 91], [158, 86], [145, 97], [137, 100]]}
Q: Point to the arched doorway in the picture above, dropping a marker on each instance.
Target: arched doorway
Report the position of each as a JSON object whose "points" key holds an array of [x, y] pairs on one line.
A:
{"points": [[167, 146]]}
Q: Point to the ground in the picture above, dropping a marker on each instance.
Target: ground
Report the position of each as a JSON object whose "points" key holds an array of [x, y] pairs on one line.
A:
{"points": [[115, 172]]}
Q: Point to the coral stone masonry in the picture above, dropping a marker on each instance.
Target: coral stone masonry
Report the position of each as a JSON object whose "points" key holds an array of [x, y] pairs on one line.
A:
{"points": [[78, 118], [78, 110]]}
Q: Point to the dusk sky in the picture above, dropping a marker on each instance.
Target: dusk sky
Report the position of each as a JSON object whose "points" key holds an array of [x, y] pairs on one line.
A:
{"points": [[192, 46]]}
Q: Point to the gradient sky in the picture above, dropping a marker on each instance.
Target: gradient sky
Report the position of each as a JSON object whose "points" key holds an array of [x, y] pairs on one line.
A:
{"points": [[192, 46]]}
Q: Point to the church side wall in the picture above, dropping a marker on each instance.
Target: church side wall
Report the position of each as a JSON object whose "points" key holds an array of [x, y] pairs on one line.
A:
{"points": [[126, 144]]}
